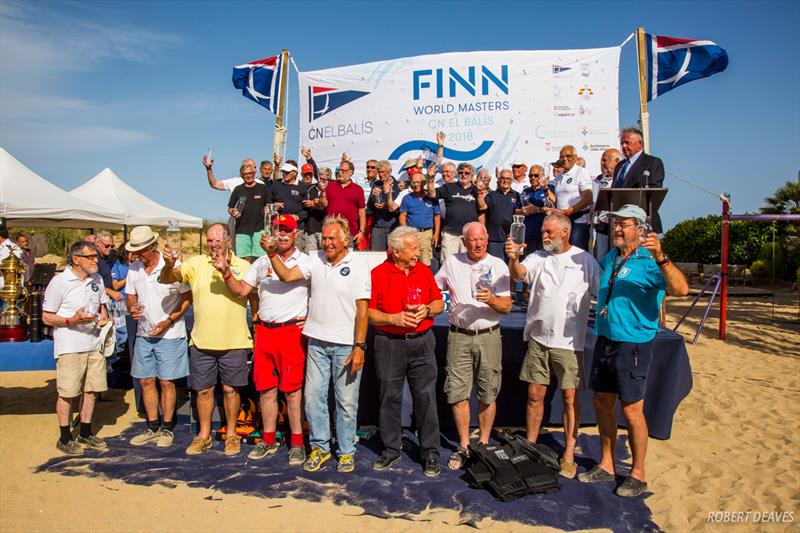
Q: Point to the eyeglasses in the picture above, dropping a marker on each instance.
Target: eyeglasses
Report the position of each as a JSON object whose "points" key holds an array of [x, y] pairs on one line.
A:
{"points": [[623, 226], [568, 156], [323, 179], [282, 229], [371, 167], [105, 245], [535, 175], [90, 257], [464, 172]]}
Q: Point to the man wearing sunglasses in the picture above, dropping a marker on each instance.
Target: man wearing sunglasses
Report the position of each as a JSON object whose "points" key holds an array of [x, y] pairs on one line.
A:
{"points": [[73, 302], [519, 169], [108, 256], [461, 208]]}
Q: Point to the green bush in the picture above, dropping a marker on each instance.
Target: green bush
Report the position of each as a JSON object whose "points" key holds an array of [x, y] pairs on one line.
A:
{"points": [[699, 240]]}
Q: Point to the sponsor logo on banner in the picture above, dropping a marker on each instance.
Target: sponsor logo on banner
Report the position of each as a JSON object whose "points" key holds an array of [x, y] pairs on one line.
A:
{"points": [[560, 71], [586, 92], [563, 111], [585, 146], [599, 147], [586, 70], [323, 100], [548, 145], [585, 111], [543, 131]]}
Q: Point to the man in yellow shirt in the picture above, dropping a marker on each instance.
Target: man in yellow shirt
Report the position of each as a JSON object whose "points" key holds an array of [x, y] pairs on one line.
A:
{"points": [[220, 337]]}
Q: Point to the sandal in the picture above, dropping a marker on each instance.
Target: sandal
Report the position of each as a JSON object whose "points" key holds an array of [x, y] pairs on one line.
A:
{"points": [[458, 458]]}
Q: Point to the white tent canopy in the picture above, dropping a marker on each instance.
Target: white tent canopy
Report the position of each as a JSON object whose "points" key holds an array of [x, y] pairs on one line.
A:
{"points": [[29, 200], [109, 189]]}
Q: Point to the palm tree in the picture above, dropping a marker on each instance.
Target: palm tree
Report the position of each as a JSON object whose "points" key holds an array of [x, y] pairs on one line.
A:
{"points": [[785, 200]]}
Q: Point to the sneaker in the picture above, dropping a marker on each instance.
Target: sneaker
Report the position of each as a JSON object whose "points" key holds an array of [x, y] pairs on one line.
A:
{"points": [[347, 463], [316, 460], [432, 467], [568, 468], [262, 450], [143, 438], [385, 461], [165, 438], [297, 455], [595, 475], [92, 441], [198, 446], [631, 487], [70, 448], [233, 444]]}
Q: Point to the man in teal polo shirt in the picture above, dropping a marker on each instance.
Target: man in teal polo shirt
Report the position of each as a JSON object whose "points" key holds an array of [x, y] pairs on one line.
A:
{"points": [[635, 275]]}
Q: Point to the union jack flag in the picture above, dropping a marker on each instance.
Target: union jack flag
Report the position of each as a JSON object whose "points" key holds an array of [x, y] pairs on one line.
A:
{"points": [[260, 81], [671, 62]]}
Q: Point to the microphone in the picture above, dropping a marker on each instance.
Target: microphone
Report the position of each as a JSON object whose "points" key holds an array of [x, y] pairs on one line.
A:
{"points": [[646, 179]]}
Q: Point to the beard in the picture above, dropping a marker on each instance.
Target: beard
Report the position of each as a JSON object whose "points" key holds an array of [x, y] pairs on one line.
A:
{"points": [[552, 246]]}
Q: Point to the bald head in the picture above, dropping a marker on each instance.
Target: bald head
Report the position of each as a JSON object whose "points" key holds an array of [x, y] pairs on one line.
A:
{"points": [[609, 160]]}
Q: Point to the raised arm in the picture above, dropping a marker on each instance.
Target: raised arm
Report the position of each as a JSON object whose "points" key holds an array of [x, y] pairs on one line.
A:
{"points": [[212, 181]]}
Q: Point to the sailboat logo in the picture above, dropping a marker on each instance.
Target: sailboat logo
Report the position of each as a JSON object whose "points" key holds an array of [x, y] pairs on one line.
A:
{"points": [[323, 100]]}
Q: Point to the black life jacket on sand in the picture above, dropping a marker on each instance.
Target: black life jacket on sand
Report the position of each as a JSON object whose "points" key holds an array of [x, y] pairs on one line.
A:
{"points": [[514, 467]]}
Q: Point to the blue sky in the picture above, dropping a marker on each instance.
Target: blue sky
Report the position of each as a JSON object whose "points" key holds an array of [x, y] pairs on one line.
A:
{"points": [[144, 88]]}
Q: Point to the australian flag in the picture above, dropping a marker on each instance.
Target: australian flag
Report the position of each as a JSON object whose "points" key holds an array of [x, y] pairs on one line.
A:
{"points": [[260, 81], [672, 62]]}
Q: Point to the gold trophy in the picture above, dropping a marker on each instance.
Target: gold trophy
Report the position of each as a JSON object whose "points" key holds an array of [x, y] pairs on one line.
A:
{"points": [[13, 323]]}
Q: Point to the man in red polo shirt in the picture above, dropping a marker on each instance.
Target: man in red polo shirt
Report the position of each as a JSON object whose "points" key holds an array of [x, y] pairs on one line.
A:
{"points": [[346, 198], [404, 300]]}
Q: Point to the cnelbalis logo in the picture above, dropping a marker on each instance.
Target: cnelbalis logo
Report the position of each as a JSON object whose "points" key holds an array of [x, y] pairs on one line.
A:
{"points": [[449, 83]]}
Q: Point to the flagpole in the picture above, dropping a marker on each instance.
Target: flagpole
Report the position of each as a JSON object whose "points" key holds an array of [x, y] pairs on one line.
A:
{"points": [[279, 139], [644, 116]]}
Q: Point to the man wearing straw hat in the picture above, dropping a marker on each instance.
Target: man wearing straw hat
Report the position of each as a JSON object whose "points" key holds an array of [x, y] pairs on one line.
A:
{"points": [[160, 351]]}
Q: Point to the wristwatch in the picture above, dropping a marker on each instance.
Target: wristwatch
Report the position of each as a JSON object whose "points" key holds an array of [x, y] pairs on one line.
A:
{"points": [[362, 345], [664, 261]]}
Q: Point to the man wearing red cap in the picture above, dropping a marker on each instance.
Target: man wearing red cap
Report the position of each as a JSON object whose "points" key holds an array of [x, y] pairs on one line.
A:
{"points": [[346, 199], [279, 355]]}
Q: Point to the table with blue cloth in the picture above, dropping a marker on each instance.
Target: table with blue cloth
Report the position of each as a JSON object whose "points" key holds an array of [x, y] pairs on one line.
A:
{"points": [[669, 382]]}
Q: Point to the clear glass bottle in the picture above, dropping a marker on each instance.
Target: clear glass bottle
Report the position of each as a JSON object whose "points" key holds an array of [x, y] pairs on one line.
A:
{"points": [[173, 237], [518, 230]]}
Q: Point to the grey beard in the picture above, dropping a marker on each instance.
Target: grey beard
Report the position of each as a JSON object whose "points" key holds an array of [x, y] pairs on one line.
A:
{"points": [[554, 246]]}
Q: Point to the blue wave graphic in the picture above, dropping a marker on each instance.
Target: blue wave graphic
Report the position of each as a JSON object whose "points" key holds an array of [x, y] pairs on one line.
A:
{"points": [[449, 153]]}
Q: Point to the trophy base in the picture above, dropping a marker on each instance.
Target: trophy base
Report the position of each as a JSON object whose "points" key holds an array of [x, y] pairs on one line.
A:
{"points": [[13, 333]]}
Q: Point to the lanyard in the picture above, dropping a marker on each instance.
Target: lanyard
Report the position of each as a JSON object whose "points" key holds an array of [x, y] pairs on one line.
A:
{"points": [[614, 272]]}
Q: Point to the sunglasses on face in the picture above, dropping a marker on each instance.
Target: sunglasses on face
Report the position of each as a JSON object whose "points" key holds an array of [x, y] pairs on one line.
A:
{"points": [[90, 257], [370, 167], [534, 175]]}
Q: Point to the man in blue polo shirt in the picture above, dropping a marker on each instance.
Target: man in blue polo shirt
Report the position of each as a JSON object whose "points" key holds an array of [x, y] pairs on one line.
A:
{"points": [[635, 275], [499, 206], [421, 212]]}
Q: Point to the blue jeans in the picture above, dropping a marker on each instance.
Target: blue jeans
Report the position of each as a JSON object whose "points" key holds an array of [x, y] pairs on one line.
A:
{"points": [[326, 359], [580, 236], [600, 245]]}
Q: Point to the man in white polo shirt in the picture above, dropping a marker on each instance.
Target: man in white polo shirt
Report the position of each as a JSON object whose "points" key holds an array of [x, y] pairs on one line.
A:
{"points": [[573, 188], [336, 328], [480, 293], [74, 306], [279, 356], [562, 279], [161, 349]]}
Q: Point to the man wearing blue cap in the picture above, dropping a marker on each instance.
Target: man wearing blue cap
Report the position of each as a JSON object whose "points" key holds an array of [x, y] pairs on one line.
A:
{"points": [[635, 275]]}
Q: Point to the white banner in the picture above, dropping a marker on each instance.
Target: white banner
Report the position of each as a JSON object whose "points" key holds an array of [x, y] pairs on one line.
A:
{"points": [[495, 107]]}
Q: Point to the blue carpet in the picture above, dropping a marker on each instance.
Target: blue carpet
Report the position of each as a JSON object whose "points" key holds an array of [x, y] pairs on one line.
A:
{"points": [[400, 492]]}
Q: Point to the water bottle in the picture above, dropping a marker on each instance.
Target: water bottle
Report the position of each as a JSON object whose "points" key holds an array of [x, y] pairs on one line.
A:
{"points": [[174, 237], [518, 231]]}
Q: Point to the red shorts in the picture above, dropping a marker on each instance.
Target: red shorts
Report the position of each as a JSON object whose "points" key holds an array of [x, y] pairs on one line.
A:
{"points": [[279, 358]]}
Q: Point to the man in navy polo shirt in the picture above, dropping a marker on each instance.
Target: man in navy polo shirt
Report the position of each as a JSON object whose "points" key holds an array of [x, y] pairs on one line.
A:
{"points": [[384, 202], [461, 203], [499, 206], [419, 211], [635, 275]]}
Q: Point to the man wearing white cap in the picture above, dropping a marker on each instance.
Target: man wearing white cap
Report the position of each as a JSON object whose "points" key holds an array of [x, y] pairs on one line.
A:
{"points": [[520, 170], [289, 195], [160, 351], [635, 275]]}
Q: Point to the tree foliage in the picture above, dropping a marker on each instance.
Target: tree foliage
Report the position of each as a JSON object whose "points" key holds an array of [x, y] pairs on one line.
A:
{"points": [[699, 240]]}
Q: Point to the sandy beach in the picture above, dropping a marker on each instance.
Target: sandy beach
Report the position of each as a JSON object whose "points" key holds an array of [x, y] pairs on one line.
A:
{"points": [[735, 447]]}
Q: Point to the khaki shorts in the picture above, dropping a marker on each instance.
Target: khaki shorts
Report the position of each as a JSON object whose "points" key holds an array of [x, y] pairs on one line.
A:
{"points": [[451, 244], [473, 358], [80, 372], [425, 239], [540, 361]]}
